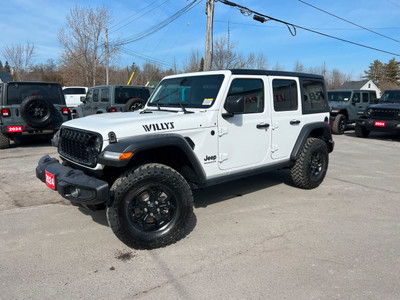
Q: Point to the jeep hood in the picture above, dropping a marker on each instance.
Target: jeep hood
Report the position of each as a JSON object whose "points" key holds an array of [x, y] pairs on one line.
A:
{"points": [[386, 105], [127, 124]]}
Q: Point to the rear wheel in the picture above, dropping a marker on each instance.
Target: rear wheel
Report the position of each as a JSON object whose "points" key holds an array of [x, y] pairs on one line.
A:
{"points": [[4, 141], [310, 168], [339, 124], [361, 131], [151, 206]]}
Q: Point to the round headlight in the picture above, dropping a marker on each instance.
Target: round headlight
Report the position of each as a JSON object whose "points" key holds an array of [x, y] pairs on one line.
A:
{"points": [[95, 145]]}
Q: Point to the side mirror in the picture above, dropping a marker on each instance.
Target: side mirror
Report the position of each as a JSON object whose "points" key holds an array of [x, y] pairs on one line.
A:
{"points": [[234, 105], [83, 99]]}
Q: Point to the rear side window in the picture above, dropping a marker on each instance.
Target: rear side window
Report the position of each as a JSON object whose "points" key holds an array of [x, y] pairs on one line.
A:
{"points": [[105, 95], [285, 94], [253, 92], [123, 94], [365, 98], [17, 92], [313, 93], [372, 96]]}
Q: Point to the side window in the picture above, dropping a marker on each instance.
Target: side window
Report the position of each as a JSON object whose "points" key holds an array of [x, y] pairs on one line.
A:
{"points": [[314, 96], [365, 98], [285, 94], [356, 98], [372, 96], [96, 95], [252, 90], [105, 95], [89, 95]]}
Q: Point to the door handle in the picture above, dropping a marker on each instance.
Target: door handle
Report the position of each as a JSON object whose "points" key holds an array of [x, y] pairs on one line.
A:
{"points": [[262, 125], [294, 122]]}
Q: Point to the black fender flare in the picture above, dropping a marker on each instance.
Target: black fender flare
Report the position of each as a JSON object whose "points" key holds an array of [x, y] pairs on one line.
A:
{"points": [[317, 129], [142, 143]]}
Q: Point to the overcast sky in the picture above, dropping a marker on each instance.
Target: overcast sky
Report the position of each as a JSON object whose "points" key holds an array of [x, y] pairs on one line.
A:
{"points": [[39, 21]]}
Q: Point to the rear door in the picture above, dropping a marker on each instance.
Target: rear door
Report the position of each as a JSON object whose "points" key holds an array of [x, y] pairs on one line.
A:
{"points": [[286, 115]]}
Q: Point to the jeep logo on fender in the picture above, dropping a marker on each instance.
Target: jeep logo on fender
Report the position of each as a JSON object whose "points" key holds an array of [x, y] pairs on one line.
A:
{"points": [[159, 126], [210, 158]]}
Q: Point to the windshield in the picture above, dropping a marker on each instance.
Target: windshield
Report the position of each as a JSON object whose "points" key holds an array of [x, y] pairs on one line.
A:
{"points": [[191, 91], [339, 96], [390, 97]]}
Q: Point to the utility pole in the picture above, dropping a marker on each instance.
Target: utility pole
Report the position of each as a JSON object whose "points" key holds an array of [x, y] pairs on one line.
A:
{"points": [[106, 45], [210, 20]]}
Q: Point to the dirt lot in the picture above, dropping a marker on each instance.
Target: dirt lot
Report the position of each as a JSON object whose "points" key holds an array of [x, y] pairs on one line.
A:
{"points": [[258, 238]]}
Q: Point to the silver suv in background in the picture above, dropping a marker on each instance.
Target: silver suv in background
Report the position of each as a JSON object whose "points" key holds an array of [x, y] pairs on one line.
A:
{"points": [[114, 98]]}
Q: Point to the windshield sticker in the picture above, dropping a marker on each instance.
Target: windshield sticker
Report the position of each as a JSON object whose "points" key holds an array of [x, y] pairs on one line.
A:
{"points": [[346, 99], [208, 101]]}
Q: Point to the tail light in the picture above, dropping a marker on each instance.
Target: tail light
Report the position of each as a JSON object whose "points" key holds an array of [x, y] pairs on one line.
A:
{"points": [[5, 112], [65, 111], [113, 109]]}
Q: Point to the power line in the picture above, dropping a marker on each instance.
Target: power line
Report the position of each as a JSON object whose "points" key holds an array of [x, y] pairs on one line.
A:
{"points": [[137, 16], [314, 28], [293, 27], [158, 26], [352, 23]]}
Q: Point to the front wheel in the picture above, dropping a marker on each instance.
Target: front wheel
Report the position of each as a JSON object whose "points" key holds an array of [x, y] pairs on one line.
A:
{"points": [[361, 131], [151, 206], [339, 124], [310, 168]]}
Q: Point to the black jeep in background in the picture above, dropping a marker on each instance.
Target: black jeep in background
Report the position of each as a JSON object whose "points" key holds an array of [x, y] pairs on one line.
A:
{"points": [[383, 116], [30, 108]]}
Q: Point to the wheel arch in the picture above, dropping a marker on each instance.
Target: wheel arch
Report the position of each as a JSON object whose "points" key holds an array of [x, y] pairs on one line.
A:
{"points": [[320, 130], [171, 150]]}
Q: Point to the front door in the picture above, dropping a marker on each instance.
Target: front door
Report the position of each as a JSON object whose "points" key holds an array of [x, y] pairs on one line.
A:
{"points": [[244, 139]]}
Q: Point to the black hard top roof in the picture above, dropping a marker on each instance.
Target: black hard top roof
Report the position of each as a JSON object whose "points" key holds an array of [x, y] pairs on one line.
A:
{"points": [[274, 73]]}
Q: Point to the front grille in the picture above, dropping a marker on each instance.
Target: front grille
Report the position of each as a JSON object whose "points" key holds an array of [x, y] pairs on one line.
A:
{"points": [[76, 145], [383, 113]]}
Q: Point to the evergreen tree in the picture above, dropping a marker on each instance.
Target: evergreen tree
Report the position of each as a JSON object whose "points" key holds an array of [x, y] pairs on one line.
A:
{"points": [[7, 68], [375, 72], [201, 64], [392, 71]]}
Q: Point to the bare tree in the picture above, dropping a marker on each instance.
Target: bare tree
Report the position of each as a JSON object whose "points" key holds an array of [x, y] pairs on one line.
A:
{"points": [[83, 43], [299, 67], [20, 57], [193, 65]]}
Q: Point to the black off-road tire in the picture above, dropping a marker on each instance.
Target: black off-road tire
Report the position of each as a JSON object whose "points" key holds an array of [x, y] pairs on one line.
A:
{"points": [[339, 124], [361, 131], [150, 206], [310, 168], [4, 141], [134, 104], [37, 111]]}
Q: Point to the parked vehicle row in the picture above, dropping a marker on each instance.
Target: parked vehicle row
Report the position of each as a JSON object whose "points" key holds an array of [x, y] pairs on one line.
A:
{"points": [[365, 110]]}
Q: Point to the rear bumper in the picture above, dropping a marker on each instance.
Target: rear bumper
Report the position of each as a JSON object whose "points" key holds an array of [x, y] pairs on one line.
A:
{"points": [[73, 184]]}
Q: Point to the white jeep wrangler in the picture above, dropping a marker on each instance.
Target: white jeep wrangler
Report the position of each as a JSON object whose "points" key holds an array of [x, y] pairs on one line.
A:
{"points": [[196, 130]]}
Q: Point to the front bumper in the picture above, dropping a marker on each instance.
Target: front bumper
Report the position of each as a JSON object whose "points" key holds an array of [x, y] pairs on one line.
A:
{"points": [[72, 184], [380, 125]]}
